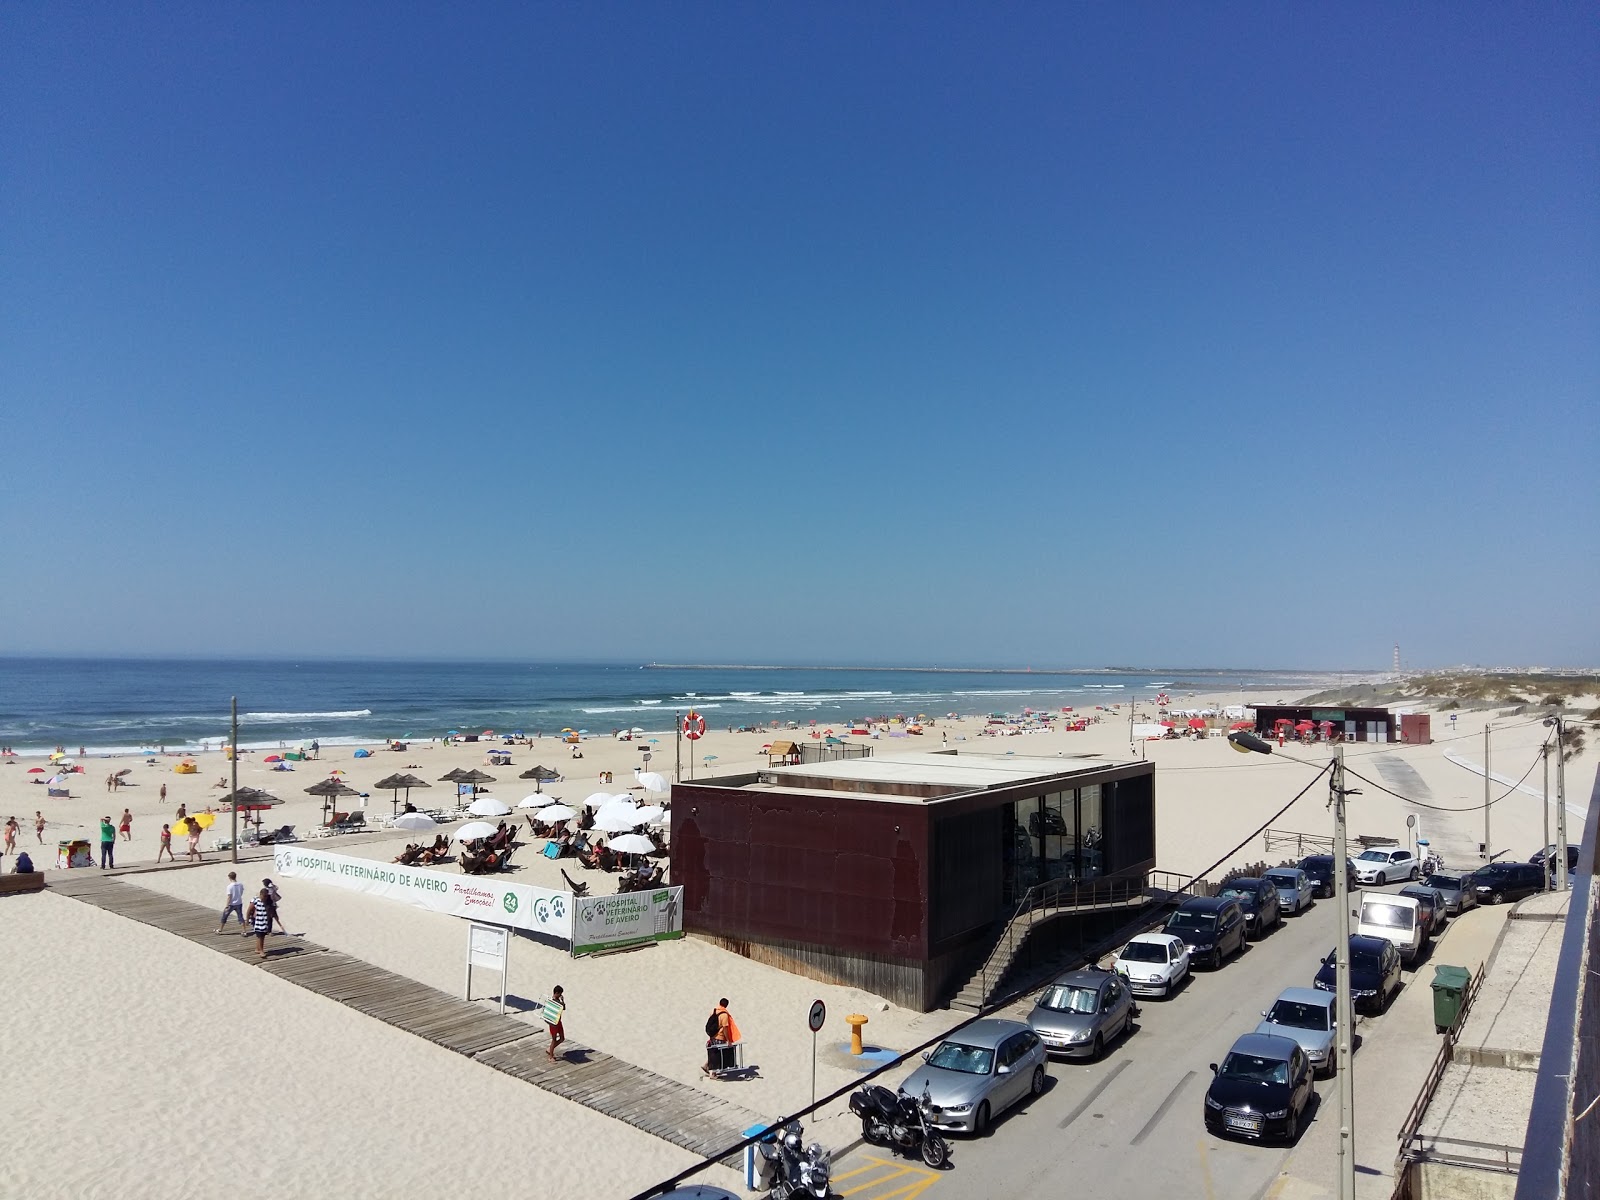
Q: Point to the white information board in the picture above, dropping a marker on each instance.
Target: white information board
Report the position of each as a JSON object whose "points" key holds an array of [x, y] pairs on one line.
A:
{"points": [[489, 946]]}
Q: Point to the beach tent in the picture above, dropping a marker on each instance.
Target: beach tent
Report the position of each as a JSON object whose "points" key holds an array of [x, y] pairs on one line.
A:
{"points": [[363, 752], [185, 768]]}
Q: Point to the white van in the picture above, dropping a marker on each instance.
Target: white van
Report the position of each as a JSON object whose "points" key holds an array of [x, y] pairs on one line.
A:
{"points": [[1398, 918]]}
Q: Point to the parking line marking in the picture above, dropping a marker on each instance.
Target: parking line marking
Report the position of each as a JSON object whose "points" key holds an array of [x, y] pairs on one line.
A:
{"points": [[1094, 1093], [921, 1179], [1161, 1110], [1205, 1168]]}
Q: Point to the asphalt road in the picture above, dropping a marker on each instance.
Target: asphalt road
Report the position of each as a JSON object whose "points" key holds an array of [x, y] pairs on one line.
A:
{"points": [[1130, 1125]]}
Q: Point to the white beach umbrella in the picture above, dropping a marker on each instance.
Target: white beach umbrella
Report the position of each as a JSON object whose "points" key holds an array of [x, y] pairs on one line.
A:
{"points": [[474, 829], [413, 821], [488, 806], [536, 800], [652, 782], [615, 820], [631, 843], [650, 814], [556, 812], [598, 800]]}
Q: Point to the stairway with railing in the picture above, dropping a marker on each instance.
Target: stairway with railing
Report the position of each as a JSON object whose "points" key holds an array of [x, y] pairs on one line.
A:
{"points": [[1064, 897]]}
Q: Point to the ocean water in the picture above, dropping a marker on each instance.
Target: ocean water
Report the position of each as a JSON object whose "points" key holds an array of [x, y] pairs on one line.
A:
{"points": [[113, 706]]}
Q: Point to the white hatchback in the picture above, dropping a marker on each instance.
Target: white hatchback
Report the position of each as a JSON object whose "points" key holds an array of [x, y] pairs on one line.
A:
{"points": [[1154, 964]]}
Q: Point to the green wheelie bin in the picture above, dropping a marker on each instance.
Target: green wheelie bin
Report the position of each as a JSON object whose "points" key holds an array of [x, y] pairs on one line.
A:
{"points": [[1449, 993]]}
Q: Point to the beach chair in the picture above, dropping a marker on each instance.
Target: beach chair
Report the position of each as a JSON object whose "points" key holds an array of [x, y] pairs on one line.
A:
{"points": [[578, 889], [552, 850], [352, 822]]}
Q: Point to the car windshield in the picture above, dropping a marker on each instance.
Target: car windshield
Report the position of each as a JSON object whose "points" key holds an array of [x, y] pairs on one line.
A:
{"points": [[1068, 998], [1299, 1016], [1283, 881], [1144, 952], [1198, 921], [1390, 916], [969, 1060], [1374, 856], [1360, 956], [1316, 864], [1449, 882], [1255, 1069], [1248, 899]]}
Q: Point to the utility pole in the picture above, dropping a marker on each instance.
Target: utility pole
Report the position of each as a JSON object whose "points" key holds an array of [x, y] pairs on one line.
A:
{"points": [[1561, 806], [677, 747], [1488, 847], [1544, 753], [1344, 1010], [235, 757]]}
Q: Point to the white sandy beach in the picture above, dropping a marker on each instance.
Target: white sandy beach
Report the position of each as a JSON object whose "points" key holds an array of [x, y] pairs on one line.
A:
{"points": [[165, 1035]]}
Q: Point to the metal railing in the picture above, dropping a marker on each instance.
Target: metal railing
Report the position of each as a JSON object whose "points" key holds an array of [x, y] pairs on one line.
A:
{"points": [[1064, 895], [1411, 1149], [1280, 841]]}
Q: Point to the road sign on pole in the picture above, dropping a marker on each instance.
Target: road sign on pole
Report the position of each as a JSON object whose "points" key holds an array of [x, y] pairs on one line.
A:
{"points": [[818, 1014]]}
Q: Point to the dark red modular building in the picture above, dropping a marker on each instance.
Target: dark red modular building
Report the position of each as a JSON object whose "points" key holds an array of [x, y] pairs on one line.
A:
{"points": [[895, 874], [1356, 724]]}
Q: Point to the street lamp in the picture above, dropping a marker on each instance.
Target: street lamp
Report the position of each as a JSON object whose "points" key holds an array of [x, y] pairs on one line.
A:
{"points": [[1560, 726], [1344, 1014]]}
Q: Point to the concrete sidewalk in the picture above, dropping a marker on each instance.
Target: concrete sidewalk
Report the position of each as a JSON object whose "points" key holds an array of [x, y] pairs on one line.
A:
{"points": [[1391, 1062]]}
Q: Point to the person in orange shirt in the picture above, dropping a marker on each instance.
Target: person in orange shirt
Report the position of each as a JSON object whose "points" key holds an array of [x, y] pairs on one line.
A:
{"points": [[727, 1033]]}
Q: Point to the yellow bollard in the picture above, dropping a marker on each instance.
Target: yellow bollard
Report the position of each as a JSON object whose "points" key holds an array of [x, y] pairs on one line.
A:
{"points": [[855, 1021]]}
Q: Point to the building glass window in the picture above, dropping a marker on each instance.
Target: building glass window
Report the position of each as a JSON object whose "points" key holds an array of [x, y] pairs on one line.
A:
{"points": [[1023, 847], [1056, 825], [1091, 833]]}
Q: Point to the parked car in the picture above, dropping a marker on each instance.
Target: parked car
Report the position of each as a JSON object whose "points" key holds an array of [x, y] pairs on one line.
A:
{"points": [[978, 1073], [1374, 972], [1212, 927], [1259, 899], [1549, 853], [1306, 1015], [1431, 905], [1397, 918], [1083, 1012], [1260, 1090], [1386, 864], [1296, 892], [1154, 964], [1320, 868], [1502, 881], [1458, 889]]}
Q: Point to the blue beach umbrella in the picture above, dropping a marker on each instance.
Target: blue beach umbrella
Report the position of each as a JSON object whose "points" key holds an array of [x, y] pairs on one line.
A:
{"points": [[452, 733]]}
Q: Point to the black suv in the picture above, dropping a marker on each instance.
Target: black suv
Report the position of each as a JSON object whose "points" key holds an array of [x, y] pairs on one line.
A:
{"points": [[1211, 926], [1259, 897], [1502, 881], [1319, 867], [1548, 855]]}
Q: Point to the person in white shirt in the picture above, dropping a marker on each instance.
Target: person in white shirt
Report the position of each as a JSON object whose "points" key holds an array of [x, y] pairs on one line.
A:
{"points": [[235, 902]]}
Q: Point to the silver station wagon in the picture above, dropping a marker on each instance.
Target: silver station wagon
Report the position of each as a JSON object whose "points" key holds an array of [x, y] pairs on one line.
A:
{"points": [[978, 1072]]}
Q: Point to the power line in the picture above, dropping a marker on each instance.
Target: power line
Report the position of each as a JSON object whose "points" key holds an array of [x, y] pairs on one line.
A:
{"points": [[1445, 808]]}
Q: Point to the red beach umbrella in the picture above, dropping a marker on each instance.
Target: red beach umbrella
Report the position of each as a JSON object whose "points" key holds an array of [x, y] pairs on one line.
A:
{"points": [[1241, 725], [35, 770], [1197, 722], [1304, 726]]}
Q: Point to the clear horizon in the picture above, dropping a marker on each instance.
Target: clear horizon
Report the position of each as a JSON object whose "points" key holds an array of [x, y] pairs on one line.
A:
{"points": [[903, 334]]}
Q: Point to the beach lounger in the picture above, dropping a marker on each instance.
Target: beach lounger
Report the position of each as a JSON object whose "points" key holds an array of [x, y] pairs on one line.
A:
{"points": [[552, 849]]}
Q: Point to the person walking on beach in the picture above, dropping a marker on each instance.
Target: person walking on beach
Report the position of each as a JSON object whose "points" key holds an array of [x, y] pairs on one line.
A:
{"points": [[38, 826], [125, 826], [233, 903], [274, 898], [722, 1031], [193, 830], [163, 793], [166, 844], [108, 844], [556, 1005], [11, 836], [259, 918]]}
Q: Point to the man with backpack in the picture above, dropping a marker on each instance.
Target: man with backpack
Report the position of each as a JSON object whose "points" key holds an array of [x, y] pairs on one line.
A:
{"points": [[721, 1033]]}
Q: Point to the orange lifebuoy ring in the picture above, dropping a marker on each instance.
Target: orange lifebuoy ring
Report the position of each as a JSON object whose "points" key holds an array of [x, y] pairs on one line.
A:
{"points": [[694, 726]]}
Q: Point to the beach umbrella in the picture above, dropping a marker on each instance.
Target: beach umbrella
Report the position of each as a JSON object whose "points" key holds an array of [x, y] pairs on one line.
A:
{"points": [[473, 830], [35, 770], [248, 799], [536, 800], [203, 820], [452, 733], [488, 806], [518, 733], [615, 820], [268, 758], [631, 843], [331, 790], [413, 821], [649, 814], [598, 800], [650, 781], [556, 812], [1241, 725], [474, 777], [540, 772], [336, 771], [710, 758], [1197, 722]]}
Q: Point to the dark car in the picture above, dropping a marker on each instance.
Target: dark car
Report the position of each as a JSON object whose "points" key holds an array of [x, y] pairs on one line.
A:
{"points": [[1320, 868], [1502, 881], [1213, 927], [1259, 898], [1548, 853], [1374, 972], [1432, 907], [1260, 1089]]}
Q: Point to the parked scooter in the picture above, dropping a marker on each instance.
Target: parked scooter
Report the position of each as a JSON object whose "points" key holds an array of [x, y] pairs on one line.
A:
{"points": [[902, 1123], [795, 1170], [1432, 864]]}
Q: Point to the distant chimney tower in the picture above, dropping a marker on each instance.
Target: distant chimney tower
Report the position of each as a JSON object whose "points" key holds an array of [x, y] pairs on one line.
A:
{"points": [[1397, 658]]}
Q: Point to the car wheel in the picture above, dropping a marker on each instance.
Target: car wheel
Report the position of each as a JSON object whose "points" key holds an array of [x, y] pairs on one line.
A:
{"points": [[1038, 1081], [1098, 1049], [1497, 897], [980, 1120], [1291, 1127], [1382, 879], [1413, 875]]}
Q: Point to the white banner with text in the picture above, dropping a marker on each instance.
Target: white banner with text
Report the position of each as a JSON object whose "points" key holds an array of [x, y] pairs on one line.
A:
{"points": [[478, 897], [605, 922]]}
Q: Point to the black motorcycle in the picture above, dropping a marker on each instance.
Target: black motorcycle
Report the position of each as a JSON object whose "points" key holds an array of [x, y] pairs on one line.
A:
{"points": [[902, 1123], [794, 1170]]}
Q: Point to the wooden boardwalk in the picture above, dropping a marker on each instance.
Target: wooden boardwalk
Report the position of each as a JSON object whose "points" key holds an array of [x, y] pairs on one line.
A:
{"points": [[685, 1116]]}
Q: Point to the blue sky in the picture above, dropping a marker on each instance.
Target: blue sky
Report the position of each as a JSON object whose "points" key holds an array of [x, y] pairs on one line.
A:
{"points": [[1049, 334]]}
